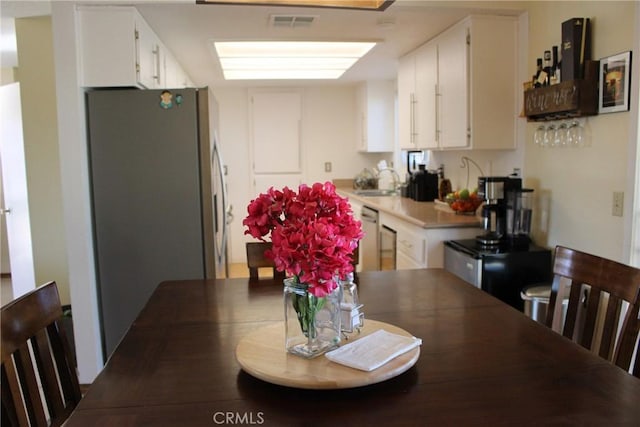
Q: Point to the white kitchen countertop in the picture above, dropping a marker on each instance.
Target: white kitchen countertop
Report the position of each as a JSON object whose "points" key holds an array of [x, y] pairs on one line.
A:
{"points": [[422, 214]]}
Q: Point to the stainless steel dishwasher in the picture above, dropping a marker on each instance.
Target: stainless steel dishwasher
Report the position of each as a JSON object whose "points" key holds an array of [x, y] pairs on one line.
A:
{"points": [[370, 244]]}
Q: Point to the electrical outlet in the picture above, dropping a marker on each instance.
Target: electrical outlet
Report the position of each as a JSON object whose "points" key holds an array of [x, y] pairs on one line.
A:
{"points": [[327, 166], [618, 203]]}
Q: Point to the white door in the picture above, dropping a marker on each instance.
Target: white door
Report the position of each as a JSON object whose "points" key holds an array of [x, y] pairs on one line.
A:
{"points": [[15, 206], [275, 124], [276, 132]]}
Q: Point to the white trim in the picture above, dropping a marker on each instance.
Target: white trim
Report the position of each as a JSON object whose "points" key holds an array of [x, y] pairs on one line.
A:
{"points": [[631, 250]]}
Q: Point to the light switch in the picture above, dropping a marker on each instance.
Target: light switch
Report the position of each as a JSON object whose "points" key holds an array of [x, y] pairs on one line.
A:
{"points": [[327, 166], [618, 203]]}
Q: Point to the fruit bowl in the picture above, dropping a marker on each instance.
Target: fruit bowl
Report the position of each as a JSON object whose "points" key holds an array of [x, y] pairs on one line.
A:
{"points": [[463, 201]]}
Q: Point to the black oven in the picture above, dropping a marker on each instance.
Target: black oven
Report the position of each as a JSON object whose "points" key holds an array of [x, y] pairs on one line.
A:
{"points": [[502, 271]]}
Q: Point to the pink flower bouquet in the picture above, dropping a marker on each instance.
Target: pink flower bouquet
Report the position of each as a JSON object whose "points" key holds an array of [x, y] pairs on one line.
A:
{"points": [[313, 233]]}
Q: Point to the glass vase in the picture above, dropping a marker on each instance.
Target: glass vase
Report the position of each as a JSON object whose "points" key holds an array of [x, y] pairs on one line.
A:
{"points": [[312, 324]]}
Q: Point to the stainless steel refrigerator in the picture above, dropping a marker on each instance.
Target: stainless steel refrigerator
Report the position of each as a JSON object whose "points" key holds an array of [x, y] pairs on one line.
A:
{"points": [[153, 203]]}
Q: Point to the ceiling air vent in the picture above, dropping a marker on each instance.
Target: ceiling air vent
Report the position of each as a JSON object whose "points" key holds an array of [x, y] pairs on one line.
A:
{"points": [[292, 21]]}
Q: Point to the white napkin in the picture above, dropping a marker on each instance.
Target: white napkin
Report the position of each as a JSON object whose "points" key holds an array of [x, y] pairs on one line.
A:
{"points": [[374, 350]]}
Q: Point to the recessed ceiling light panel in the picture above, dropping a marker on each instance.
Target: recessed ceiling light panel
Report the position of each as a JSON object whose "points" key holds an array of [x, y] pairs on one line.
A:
{"points": [[282, 60], [379, 5]]}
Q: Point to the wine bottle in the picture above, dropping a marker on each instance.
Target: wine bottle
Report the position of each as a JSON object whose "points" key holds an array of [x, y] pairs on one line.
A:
{"points": [[536, 78], [553, 78], [547, 67], [559, 68]]}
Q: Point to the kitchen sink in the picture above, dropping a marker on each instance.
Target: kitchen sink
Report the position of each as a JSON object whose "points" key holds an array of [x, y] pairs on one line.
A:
{"points": [[375, 193]]}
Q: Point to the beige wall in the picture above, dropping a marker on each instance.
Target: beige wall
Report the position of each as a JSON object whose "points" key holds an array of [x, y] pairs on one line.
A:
{"points": [[579, 183], [37, 90]]}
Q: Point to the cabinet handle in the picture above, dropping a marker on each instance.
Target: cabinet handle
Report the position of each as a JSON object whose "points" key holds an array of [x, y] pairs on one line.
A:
{"points": [[156, 52], [437, 108], [406, 244], [412, 113]]}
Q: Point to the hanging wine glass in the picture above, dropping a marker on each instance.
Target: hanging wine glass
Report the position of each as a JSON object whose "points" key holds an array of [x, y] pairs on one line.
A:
{"points": [[549, 136], [538, 135], [560, 135], [575, 134], [563, 129]]}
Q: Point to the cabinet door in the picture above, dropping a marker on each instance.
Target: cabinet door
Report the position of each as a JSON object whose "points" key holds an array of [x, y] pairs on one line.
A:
{"points": [[403, 262], [453, 88], [275, 125], [425, 98], [107, 45], [493, 105], [173, 76], [361, 118], [376, 111], [148, 55], [406, 88]]}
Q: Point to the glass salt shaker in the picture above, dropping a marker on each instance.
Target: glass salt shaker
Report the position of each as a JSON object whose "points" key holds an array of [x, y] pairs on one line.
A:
{"points": [[352, 316]]}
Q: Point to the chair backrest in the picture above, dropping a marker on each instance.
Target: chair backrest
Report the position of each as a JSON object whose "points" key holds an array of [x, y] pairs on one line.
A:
{"points": [[587, 278], [256, 260], [39, 381]]}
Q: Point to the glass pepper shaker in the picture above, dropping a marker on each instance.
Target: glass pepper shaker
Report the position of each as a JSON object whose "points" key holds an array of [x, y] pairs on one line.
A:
{"points": [[352, 316]]}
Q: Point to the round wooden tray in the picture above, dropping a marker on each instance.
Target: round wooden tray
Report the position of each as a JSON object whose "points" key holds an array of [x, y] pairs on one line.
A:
{"points": [[262, 355]]}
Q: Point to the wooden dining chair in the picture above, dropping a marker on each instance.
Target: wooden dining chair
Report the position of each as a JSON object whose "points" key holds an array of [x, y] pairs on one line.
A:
{"points": [[587, 278], [257, 260], [39, 381]]}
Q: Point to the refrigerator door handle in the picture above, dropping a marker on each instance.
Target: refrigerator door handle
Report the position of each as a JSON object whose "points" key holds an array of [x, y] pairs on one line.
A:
{"points": [[226, 210]]}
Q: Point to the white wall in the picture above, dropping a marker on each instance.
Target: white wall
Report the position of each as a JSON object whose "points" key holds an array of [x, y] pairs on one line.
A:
{"points": [[39, 116], [74, 175], [328, 135], [580, 182]]}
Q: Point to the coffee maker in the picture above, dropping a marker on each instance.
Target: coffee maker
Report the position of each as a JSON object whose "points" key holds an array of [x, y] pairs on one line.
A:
{"points": [[422, 185], [506, 214]]}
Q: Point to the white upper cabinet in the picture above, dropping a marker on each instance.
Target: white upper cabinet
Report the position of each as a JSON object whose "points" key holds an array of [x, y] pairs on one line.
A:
{"points": [[375, 116], [468, 100], [417, 81], [150, 54], [493, 82], [453, 89], [119, 49], [174, 75]]}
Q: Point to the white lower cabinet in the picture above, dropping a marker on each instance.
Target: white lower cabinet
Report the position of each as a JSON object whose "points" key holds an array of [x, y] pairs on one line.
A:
{"points": [[418, 247], [356, 207], [404, 262]]}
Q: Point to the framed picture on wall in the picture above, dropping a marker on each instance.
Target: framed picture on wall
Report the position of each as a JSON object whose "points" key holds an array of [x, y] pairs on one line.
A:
{"points": [[615, 72]]}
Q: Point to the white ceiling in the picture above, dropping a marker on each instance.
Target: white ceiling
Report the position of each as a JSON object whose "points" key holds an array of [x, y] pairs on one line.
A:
{"points": [[188, 29]]}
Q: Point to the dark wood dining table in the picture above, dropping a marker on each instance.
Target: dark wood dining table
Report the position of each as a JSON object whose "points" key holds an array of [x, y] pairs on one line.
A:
{"points": [[481, 363]]}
